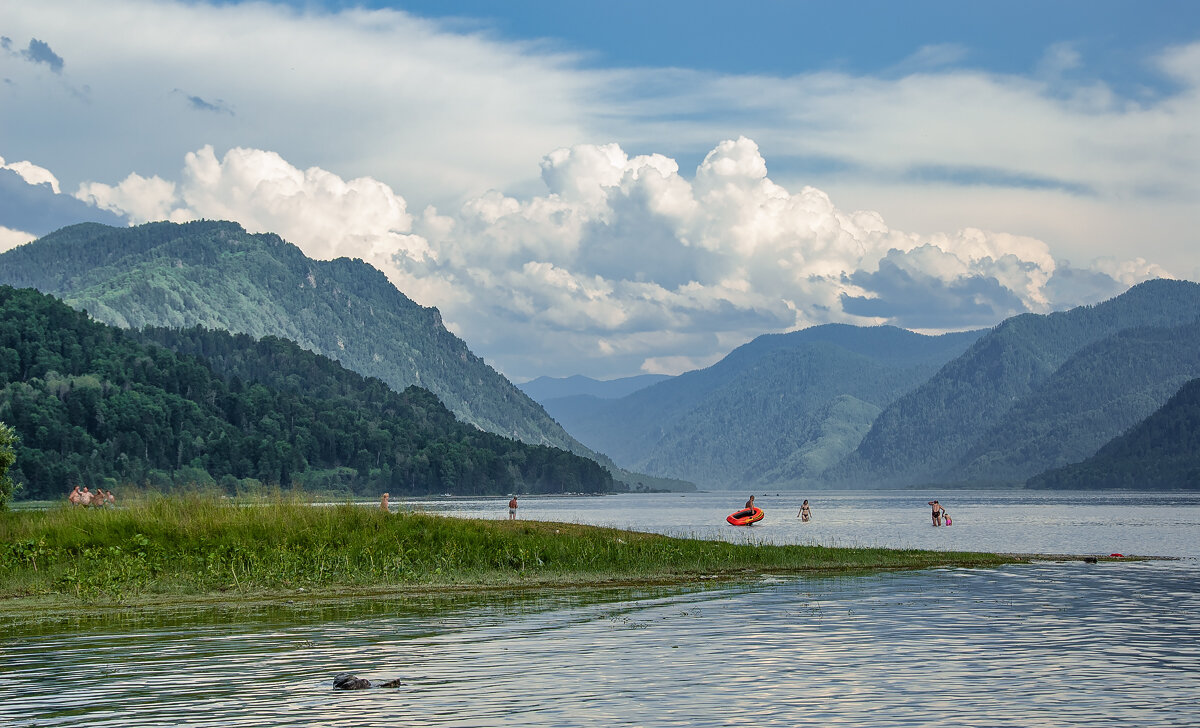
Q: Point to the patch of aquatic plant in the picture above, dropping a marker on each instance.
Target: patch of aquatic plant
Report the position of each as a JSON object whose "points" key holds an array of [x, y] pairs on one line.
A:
{"points": [[202, 544]]}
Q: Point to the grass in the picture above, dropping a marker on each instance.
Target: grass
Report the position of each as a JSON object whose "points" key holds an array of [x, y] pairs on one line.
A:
{"points": [[175, 549]]}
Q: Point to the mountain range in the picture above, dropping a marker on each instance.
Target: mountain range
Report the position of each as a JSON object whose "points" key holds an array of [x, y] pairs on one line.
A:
{"points": [[1036, 392], [215, 274], [843, 406], [778, 410], [832, 405]]}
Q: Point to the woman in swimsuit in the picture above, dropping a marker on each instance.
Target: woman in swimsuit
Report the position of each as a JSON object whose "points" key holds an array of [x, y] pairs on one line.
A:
{"points": [[804, 513], [937, 512]]}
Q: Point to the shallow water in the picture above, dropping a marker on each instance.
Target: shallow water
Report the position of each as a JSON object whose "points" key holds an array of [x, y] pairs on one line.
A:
{"points": [[1149, 524], [1046, 644]]}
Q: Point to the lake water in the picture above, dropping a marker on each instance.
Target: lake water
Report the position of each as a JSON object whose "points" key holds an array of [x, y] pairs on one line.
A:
{"points": [[1044, 644]]}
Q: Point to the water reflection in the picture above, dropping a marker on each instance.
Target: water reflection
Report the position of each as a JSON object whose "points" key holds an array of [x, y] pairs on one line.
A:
{"points": [[1042, 644]]}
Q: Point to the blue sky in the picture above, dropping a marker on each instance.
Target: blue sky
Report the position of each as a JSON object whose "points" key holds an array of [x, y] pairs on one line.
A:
{"points": [[618, 188], [790, 37]]}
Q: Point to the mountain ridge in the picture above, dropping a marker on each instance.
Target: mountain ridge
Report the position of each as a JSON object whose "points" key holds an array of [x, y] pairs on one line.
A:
{"points": [[667, 428], [182, 275], [918, 438]]}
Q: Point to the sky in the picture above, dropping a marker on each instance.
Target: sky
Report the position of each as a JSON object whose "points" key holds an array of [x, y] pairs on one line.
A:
{"points": [[619, 188]]}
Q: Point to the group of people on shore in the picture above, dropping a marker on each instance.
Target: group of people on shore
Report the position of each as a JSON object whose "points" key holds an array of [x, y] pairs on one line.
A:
{"points": [[86, 497]]}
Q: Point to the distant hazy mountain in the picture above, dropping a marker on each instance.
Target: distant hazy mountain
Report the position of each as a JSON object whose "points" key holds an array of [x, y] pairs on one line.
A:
{"points": [[1036, 392], [543, 389], [777, 410], [1162, 452], [217, 275]]}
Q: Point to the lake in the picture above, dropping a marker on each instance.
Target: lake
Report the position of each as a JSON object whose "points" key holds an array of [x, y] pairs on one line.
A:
{"points": [[1047, 644]]}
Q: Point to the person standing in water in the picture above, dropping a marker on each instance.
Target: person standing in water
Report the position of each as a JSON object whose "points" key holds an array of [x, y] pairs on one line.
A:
{"points": [[383, 504], [938, 511], [750, 503], [512, 509], [805, 513]]}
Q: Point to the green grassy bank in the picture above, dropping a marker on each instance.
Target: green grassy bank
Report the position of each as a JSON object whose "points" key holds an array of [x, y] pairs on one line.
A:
{"points": [[181, 548]]}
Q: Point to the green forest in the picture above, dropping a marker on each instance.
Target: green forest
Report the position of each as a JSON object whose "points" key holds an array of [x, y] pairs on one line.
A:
{"points": [[215, 274], [94, 405], [1161, 453]]}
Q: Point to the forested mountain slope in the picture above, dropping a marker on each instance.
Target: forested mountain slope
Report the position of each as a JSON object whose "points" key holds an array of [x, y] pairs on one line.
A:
{"points": [[1161, 452], [924, 435], [215, 274], [92, 405], [777, 410], [1098, 393]]}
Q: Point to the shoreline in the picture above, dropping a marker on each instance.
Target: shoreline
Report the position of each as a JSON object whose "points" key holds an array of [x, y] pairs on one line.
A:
{"points": [[47, 609], [198, 549], [167, 553]]}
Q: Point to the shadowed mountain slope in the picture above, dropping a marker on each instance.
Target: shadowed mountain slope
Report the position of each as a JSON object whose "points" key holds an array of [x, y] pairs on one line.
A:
{"points": [[1162, 452]]}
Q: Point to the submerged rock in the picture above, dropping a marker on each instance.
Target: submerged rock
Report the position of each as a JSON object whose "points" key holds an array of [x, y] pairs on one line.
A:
{"points": [[348, 681]]}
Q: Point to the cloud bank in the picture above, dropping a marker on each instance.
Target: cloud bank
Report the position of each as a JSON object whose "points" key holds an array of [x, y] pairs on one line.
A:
{"points": [[623, 264], [446, 110]]}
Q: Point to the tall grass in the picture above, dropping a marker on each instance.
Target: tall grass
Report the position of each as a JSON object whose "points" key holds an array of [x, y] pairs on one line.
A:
{"points": [[198, 544]]}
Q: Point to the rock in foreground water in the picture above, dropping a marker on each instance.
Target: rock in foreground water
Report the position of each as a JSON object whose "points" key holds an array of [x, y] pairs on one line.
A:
{"points": [[348, 681]]}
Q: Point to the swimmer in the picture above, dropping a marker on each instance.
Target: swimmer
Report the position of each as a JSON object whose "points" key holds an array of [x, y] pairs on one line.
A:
{"points": [[938, 511], [805, 513]]}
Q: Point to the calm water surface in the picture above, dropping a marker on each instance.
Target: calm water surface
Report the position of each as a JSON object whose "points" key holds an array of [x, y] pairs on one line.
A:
{"points": [[1160, 524], [1047, 644]]}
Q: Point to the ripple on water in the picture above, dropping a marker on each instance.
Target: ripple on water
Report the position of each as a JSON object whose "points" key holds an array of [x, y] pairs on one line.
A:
{"points": [[1043, 644]]}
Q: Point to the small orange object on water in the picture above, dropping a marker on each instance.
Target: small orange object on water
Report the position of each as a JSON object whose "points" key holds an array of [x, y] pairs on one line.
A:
{"points": [[1117, 556]]}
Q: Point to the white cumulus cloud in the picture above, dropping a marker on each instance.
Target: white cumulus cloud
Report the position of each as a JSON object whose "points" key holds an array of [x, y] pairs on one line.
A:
{"points": [[624, 260], [32, 173], [12, 238]]}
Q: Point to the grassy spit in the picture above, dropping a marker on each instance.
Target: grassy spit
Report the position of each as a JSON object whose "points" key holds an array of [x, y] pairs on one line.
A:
{"points": [[194, 548]]}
